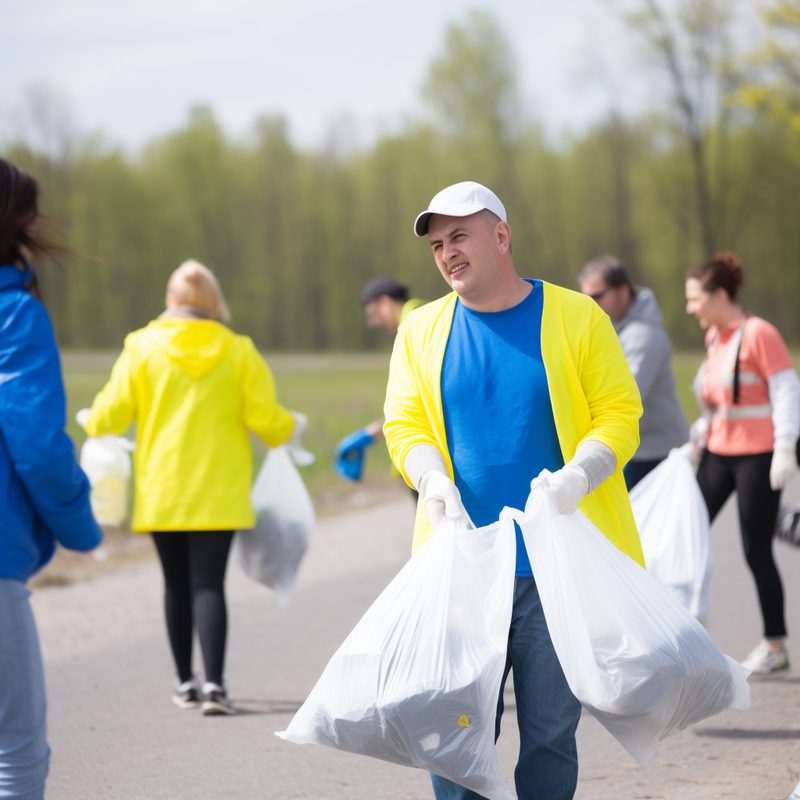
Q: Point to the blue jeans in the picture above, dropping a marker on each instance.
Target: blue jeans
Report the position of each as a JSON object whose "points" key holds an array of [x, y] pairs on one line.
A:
{"points": [[24, 753], [547, 711]]}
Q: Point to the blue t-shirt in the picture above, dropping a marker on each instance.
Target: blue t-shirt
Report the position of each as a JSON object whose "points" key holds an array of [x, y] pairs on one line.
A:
{"points": [[497, 412]]}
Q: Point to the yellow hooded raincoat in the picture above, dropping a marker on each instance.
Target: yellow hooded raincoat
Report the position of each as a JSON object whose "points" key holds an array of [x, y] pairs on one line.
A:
{"points": [[194, 389], [593, 393]]}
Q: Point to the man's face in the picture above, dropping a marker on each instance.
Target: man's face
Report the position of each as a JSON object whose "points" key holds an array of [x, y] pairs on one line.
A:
{"points": [[614, 301], [465, 252], [378, 314]]}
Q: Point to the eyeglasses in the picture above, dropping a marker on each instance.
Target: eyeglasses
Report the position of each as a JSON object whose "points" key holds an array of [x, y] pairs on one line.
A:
{"points": [[599, 295]]}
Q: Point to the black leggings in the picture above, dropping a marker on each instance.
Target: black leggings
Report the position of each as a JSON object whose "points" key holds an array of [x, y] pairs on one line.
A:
{"points": [[718, 476], [194, 575]]}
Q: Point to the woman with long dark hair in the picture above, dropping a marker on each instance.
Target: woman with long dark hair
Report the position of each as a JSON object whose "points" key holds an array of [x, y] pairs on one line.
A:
{"points": [[750, 395], [44, 495]]}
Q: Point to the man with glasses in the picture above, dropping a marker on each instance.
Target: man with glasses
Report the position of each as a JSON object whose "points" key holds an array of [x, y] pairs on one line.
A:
{"points": [[637, 319]]}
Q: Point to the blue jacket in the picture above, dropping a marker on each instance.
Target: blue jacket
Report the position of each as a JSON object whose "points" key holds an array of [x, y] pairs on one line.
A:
{"points": [[44, 494]]}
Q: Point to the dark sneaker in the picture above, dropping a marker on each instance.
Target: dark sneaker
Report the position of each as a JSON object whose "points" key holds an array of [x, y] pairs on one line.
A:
{"points": [[187, 694], [215, 700]]}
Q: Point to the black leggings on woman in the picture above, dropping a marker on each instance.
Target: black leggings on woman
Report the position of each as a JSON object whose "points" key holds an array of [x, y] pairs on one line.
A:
{"points": [[718, 476], [194, 575]]}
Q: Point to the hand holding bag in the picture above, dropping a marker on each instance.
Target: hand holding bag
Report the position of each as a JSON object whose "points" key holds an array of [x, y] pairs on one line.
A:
{"points": [[634, 656], [417, 681]]}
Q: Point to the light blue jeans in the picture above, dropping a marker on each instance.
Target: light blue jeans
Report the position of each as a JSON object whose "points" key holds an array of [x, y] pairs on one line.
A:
{"points": [[24, 752], [547, 711]]}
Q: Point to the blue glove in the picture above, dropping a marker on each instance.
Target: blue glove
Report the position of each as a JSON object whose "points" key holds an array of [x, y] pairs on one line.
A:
{"points": [[350, 454]]}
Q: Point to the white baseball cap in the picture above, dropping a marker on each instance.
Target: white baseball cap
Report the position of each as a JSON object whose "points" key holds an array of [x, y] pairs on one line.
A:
{"points": [[460, 200]]}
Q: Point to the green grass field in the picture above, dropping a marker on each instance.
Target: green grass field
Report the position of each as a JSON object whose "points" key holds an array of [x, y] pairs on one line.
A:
{"points": [[339, 393]]}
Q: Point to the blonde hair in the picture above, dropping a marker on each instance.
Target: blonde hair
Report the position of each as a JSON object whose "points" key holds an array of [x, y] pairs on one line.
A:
{"points": [[192, 284]]}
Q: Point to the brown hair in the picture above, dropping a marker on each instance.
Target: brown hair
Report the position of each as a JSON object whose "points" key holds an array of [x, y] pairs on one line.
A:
{"points": [[21, 234], [612, 271], [192, 284], [724, 271]]}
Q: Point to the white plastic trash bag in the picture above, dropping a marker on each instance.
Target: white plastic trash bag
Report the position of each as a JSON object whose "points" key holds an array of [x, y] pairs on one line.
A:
{"points": [[633, 656], [271, 552], [106, 460], [672, 518], [417, 681]]}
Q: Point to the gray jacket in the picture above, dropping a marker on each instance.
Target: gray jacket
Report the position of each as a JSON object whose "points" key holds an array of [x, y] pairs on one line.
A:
{"points": [[649, 353]]}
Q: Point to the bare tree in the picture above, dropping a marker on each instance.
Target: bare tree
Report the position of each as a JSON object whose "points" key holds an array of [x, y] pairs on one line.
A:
{"points": [[616, 134], [688, 46]]}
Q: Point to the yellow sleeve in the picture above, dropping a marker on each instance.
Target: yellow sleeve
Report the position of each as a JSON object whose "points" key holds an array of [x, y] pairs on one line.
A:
{"points": [[114, 408], [407, 423], [611, 392], [261, 411]]}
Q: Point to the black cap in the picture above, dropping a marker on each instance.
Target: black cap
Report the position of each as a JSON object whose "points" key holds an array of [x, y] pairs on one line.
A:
{"points": [[384, 285]]}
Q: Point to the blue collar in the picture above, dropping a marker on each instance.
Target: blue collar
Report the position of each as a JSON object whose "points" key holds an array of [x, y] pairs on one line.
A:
{"points": [[13, 278]]}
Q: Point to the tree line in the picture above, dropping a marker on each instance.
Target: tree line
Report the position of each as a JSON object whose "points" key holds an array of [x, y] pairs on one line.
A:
{"points": [[294, 234]]}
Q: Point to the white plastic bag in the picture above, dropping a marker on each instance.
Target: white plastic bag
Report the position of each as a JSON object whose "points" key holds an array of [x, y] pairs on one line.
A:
{"points": [[633, 656], [106, 460], [672, 518], [417, 681], [271, 552]]}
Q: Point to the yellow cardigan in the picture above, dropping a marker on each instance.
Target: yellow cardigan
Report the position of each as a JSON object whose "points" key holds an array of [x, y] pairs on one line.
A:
{"points": [[194, 389], [593, 393]]}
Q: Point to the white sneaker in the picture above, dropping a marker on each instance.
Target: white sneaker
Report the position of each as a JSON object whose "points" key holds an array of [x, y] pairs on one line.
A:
{"points": [[763, 661]]}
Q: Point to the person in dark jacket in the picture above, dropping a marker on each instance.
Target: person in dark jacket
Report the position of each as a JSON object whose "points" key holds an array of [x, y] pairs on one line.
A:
{"points": [[44, 494]]}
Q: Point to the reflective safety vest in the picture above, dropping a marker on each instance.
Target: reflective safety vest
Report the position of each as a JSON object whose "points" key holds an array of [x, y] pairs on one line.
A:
{"points": [[732, 384]]}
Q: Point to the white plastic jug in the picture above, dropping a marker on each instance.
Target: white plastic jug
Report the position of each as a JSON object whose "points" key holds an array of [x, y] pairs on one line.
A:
{"points": [[106, 460]]}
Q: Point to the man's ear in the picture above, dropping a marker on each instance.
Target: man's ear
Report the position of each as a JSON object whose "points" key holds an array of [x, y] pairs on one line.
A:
{"points": [[502, 237]]}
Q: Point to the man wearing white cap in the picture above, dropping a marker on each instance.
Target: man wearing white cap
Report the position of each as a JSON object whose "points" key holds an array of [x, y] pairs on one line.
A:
{"points": [[488, 386]]}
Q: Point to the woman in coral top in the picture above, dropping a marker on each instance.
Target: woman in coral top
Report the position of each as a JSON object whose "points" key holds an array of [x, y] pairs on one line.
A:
{"points": [[749, 392]]}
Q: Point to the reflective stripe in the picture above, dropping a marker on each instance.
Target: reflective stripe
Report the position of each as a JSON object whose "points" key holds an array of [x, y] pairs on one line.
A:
{"points": [[750, 378], [745, 379], [744, 412], [732, 353]]}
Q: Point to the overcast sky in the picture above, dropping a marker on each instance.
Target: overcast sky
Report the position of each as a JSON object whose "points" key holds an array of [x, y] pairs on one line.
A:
{"points": [[132, 68]]}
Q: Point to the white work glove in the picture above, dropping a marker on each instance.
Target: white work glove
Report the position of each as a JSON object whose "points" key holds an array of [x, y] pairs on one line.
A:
{"points": [[692, 453], [697, 432], [300, 427], [783, 468], [299, 454], [82, 417], [441, 497], [694, 448], [572, 485]]}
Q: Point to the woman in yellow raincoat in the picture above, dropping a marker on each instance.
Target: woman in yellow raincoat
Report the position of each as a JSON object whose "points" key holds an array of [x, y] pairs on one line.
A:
{"points": [[194, 389]]}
